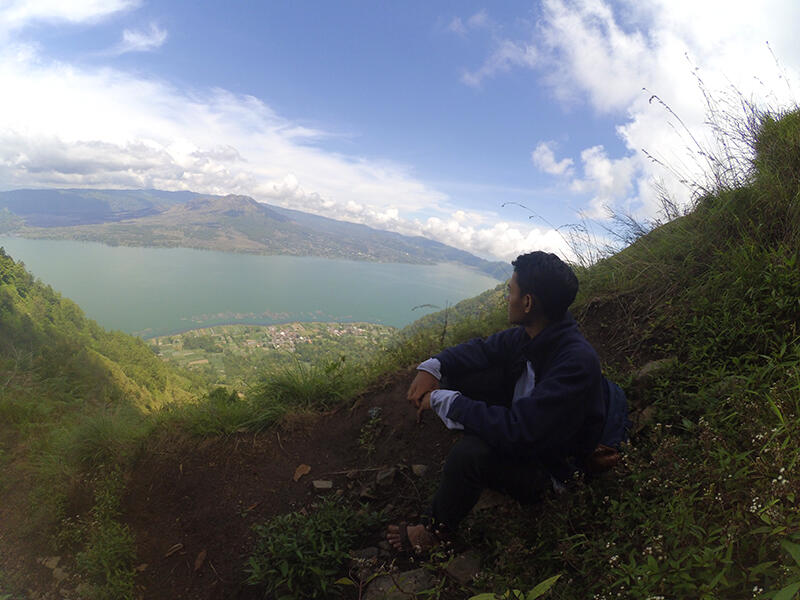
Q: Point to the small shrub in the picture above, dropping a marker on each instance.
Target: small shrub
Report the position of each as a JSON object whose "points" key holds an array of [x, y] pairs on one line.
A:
{"points": [[310, 386], [370, 431], [106, 562], [299, 555]]}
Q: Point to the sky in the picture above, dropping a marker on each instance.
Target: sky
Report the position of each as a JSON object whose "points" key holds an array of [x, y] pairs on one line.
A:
{"points": [[490, 126]]}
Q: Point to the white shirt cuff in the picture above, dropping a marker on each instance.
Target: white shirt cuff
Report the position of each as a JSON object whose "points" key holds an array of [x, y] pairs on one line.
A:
{"points": [[440, 403], [432, 366]]}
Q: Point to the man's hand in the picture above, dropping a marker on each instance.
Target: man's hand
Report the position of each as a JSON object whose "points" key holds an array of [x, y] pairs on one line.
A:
{"points": [[424, 404], [423, 383]]}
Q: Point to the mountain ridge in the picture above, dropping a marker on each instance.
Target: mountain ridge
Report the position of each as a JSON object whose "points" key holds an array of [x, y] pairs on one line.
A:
{"points": [[230, 223]]}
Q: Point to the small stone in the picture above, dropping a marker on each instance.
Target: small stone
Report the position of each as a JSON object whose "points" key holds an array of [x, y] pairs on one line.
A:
{"points": [[643, 418], [652, 368], [419, 470], [385, 477], [51, 562], [399, 587], [367, 493], [490, 499], [322, 484], [464, 567]]}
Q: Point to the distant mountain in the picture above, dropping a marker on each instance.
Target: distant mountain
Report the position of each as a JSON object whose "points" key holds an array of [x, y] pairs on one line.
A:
{"points": [[226, 223]]}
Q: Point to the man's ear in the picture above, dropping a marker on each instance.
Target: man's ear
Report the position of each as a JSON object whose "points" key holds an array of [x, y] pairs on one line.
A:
{"points": [[527, 303]]}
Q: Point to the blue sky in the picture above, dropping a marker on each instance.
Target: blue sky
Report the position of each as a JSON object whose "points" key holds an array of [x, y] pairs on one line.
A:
{"points": [[419, 117]]}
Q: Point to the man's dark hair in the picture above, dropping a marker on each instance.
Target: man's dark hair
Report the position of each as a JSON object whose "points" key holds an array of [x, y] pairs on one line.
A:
{"points": [[549, 279]]}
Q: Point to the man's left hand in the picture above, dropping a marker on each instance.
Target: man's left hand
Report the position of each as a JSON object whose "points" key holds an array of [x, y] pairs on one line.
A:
{"points": [[424, 404]]}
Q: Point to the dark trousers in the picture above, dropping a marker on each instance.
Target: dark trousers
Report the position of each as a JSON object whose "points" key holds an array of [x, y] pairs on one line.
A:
{"points": [[473, 466]]}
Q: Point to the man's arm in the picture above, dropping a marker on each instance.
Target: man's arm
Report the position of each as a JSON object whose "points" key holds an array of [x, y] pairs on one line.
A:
{"points": [[544, 421], [480, 354]]}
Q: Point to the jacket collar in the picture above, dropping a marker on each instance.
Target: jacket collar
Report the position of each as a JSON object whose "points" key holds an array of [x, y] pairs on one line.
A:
{"points": [[542, 345]]}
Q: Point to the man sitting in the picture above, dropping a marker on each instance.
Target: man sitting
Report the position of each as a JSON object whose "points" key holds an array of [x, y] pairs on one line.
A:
{"points": [[529, 400]]}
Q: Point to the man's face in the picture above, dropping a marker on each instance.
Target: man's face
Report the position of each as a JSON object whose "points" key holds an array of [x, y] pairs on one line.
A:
{"points": [[517, 303]]}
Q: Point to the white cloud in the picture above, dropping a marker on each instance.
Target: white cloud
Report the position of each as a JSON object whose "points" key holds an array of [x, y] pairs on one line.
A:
{"points": [[606, 181], [479, 20], [457, 26], [502, 239], [17, 14], [111, 129], [141, 41], [507, 54], [604, 54], [544, 158]]}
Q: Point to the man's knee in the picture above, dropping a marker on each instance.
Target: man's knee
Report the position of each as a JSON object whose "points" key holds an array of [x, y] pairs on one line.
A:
{"points": [[471, 456]]}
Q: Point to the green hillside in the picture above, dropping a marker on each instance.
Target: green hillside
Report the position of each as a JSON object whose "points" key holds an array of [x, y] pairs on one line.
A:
{"points": [[704, 504]]}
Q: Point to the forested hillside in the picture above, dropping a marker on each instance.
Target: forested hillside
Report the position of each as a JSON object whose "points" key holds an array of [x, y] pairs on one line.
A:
{"points": [[51, 352]]}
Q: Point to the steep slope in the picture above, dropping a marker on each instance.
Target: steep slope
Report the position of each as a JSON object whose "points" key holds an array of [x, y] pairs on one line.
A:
{"points": [[72, 399]]}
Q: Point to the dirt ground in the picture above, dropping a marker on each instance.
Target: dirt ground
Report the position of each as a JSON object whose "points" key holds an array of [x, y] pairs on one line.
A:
{"points": [[191, 503], [201, 499]]}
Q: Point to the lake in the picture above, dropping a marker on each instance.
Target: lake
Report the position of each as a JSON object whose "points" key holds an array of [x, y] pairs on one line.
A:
{"points": [[156, 291]]}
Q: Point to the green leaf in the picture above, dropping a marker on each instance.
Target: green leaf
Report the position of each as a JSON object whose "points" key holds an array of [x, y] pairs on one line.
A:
{"points": [[345, 581], [484, 596], [761, 567], [793, 549], [788, 592], [542, 588]]}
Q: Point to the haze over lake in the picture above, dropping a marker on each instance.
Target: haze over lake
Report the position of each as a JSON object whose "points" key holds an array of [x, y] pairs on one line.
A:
{"points": [[154, 291]]}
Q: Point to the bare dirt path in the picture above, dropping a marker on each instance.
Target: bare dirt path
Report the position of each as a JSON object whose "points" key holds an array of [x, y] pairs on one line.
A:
{"points": [[192, 505]]}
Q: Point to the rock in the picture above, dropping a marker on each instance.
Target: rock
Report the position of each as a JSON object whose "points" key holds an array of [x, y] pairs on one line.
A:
{"points": [[322, 484], [367, 493], [653, 367], [51, 562], [490, 499], [386, 476], [643, 418], [419, 470], [401, 586], [464, 567]]}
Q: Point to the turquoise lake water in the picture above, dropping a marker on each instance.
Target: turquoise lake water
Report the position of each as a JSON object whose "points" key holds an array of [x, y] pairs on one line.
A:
{"points": [[154, 291]]}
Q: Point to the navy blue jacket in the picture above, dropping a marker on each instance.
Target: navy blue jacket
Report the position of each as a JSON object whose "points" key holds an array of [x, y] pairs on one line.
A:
{"points": [[563, 417]]}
